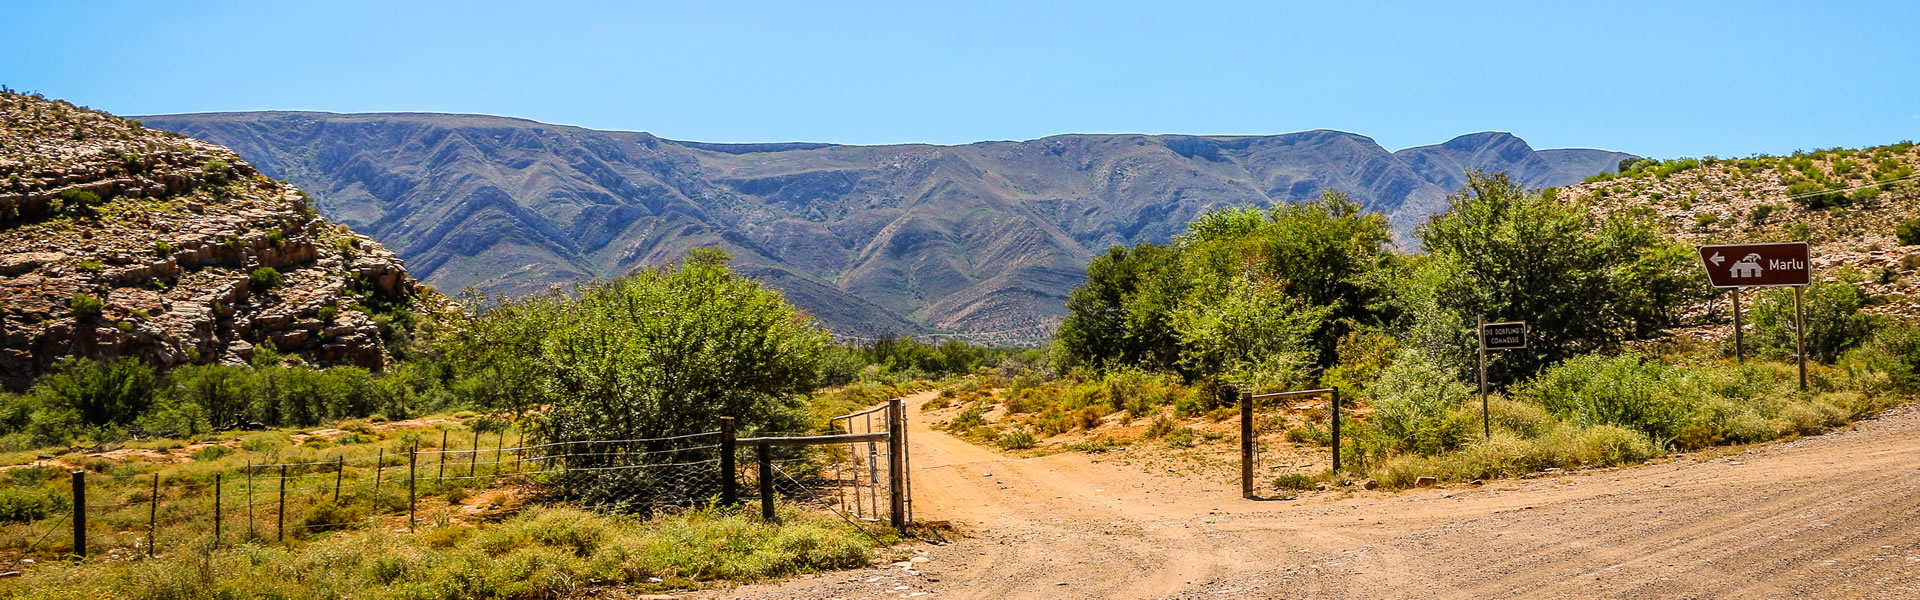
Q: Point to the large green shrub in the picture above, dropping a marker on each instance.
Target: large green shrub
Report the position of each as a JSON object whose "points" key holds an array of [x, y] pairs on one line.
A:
{"points": [[662, 352], [1413, 404], [1834, 320], [1628, 390], [1582, 284]]}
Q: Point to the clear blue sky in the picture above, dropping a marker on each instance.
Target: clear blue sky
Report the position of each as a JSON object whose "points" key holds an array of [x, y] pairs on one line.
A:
{"points": [[1686, 79]]}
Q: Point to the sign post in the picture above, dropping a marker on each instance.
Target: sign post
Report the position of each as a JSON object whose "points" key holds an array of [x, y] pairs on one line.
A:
{"points": [[1739, 266], [1511, 335]]}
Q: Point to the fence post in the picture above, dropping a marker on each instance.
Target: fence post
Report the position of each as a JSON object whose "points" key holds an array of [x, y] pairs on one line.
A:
{"points": [[250, 530], [1246, 444], [339, 469], [473, 462], [280, 517], [153, 513], [766, 479], [443, 457], [896, 466], [379, 464], [729, 482], [413, 455], [216, 510], [1336, 430], [80, 513]]}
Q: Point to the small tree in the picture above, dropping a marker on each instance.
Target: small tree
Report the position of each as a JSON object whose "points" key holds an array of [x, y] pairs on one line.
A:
{"points": [[1833, 318]]}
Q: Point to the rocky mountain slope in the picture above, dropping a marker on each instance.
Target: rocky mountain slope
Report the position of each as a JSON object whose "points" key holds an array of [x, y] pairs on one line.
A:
{"points": [[1847, 204], [118, 240], [984, 238]]}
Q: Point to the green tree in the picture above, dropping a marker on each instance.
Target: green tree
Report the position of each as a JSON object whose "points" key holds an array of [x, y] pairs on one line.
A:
{"points": [[1581, 283], [1120, 314], [99, 392], [1833, 317], [1250, 333]]}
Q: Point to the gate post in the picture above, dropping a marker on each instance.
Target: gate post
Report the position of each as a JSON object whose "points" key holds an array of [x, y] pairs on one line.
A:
{"points": [[729, 482], [896, 466], [80, 513], [1246, 444], [763, 449], [1336, 430]]}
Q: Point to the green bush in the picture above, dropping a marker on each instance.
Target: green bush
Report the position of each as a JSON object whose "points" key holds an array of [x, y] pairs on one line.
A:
{"points": [[77, 202], [1628, 390], [85, 307], [1180, 438], [1834, 320], [216, 171], [1413, 401], [263, 279], [1018, 439], [27, 504], [1908, 231], [1294, 481]]}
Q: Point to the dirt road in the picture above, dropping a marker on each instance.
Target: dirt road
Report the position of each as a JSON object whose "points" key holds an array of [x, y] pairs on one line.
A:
{"points": [[1835, 516]]}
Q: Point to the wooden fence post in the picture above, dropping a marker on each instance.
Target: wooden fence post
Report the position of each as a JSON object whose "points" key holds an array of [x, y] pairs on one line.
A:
{"points": [[216, 510], [1336, 429], [729, 481], [766, 479], [896, 464], [473, 462], [250, 530], [443, 456], [280, 517], [413, 456], [153, 513], [80, 513], [339, 469], [379, 464], [1246, 444]]}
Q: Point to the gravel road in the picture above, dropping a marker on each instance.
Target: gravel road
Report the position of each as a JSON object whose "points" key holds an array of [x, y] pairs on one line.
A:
{"points": [[1833, 516]]}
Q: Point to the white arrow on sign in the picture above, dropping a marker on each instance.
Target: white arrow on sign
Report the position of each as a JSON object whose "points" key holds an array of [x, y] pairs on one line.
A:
{"points": [[1717, 259]]}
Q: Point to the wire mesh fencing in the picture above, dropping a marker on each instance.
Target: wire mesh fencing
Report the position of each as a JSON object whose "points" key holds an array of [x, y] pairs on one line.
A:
{"points": [[466, 477]]}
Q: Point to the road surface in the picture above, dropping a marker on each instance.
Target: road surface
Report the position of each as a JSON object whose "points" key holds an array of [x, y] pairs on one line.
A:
{"points": [[1833, 516]]}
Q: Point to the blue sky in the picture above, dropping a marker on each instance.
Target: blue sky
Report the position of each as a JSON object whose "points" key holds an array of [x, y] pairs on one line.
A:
{"points": [[1687, 79]]}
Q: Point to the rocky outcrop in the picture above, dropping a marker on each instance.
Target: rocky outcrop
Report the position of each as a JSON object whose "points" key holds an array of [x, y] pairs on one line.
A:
{"points": [[177, 253]]}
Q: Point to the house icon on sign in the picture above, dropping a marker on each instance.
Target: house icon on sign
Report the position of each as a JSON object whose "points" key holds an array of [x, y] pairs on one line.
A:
{"points": [[1747, 267]]}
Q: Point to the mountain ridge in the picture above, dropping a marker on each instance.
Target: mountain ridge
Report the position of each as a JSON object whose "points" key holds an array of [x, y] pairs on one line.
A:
{"points": [[912, 238]]}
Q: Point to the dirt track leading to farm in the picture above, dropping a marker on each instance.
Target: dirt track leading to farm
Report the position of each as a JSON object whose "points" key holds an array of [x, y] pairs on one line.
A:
{"points": [[1830, 516]]}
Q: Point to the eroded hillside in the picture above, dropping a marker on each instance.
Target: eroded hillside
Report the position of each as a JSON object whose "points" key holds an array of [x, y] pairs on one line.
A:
{"points": [[118, 240]]}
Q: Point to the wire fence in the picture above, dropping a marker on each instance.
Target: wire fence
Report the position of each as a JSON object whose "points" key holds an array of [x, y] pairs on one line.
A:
{"points": [[133, 514]]}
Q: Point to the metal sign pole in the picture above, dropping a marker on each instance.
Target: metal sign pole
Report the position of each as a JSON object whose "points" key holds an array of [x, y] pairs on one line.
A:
{"points": [[1800, 335], [1739, 336], [1486, 423]]}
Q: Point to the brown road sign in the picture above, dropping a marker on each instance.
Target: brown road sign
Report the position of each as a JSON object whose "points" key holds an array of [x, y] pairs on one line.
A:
{"points": [[1757, 265]]}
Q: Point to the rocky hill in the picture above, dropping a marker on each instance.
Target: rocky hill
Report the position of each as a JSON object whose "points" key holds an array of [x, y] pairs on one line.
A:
{"points": [[118, 240], [1847, 204], [984, 238]]}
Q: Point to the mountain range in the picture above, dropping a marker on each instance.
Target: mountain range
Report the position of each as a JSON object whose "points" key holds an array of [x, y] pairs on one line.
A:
{"points": [[983, 240]]}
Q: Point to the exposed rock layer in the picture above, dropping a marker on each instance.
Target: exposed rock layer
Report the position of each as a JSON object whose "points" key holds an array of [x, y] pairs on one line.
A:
{"points": [[167, 239]]}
